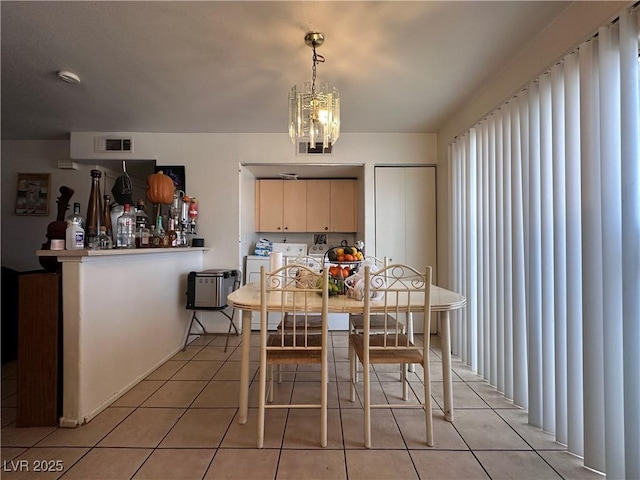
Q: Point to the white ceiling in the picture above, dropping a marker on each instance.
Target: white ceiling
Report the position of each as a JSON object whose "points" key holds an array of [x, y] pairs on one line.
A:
{"points": [[228, 66]]}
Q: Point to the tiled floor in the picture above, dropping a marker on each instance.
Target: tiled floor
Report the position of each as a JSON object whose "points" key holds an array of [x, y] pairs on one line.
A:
{"points": [[181, 423]]}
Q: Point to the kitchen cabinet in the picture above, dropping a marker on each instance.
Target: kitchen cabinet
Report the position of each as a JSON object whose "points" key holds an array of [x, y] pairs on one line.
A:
{"points": [[306, 205], [331, 206], [281, 206]]}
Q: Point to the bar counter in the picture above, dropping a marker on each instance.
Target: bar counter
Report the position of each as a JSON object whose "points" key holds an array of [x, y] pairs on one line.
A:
{"points": [[123, 316]]}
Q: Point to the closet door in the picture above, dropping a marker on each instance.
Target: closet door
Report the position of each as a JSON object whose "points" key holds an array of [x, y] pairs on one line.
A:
{"points": [[405, 210]]}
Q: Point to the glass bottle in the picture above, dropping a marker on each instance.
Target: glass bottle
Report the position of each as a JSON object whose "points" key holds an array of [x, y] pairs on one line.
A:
{"points": [[172, 240], [103, 240], [106, 215], [157, 238], [126, 229], [94, 209], [142, 223], [74, 234]]}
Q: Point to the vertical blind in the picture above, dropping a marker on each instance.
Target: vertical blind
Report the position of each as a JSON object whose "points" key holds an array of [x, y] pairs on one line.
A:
{"points": [[545, 194]]}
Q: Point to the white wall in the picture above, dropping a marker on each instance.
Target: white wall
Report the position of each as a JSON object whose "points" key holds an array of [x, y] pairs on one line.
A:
{"points": [[212, 164]]}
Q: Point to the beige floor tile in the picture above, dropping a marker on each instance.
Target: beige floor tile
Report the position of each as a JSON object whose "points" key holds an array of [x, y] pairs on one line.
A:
{"points": [[243, 464], [190, 352], [9, 415], [9, 453], [108, 464], [42, 463], [309, 392], [491, 395], [144, 428], [412, 425], [176, 393], [166, 370], [303, 429], [199, 428], [534, 436], [90, 434], [463, 395], [9, 387], [379, 464], [512, 464], [281, 393], [393, 392], [176, 464], [484, 429], [316, 464], [447, 465], [234, 340], [213, 353], [254, 353], [344, 389], [138, 394], [384, 430], [464, 372], [569, 466], [198, 370], [218, 394], [10, 401], [231, 371], [24, 437], [246, 436]]}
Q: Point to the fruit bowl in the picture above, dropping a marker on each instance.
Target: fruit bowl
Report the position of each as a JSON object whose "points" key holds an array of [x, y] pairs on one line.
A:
{"points": [[344, 255]]}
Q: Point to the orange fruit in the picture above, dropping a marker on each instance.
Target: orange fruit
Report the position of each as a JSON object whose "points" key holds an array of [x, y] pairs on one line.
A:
{"points": [[341, 258], [348, 257]]}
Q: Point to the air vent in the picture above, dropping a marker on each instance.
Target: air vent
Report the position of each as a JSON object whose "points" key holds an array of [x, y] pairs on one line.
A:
{"points": [[305, 148], [113, 144]]}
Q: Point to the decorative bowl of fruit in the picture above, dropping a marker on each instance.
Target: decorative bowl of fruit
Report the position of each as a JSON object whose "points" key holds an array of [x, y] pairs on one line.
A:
{"points": [[342, 262]]}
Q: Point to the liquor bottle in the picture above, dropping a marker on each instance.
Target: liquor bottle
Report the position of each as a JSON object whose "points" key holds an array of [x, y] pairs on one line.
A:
{"points": [[74, 234], [94, 209], [157, 234], [106, 215], [103, 241], [126, 237], [172, 235], [142, 226]]}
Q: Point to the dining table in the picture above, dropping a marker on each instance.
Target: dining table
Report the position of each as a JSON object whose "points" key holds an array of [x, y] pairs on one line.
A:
{"points": [[247, 299]]}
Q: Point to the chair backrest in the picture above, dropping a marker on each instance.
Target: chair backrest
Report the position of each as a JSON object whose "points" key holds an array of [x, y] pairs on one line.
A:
{"points": [[398, 290], [314, 263], [299, 291]]}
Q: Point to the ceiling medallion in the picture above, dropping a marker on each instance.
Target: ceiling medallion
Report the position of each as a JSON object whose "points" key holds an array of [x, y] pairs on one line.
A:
{"points": [[314, 114]]}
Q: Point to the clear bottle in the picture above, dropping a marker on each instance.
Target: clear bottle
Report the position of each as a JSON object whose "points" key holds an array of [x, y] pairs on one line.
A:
{"points": [[74, 234], [126, 237], [103, 240], [142, 226], [106, 215]]}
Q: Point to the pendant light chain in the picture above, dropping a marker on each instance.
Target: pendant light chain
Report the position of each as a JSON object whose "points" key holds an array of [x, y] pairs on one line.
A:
{"points": [[316, 59]]}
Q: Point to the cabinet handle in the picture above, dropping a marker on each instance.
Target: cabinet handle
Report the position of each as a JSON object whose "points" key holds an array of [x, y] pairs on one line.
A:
{"points": [[278, 228], [326, 228]]}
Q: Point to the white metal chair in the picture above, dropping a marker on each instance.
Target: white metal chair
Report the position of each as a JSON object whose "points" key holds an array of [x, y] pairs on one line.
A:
{"points": [[404, 290], [293, 289], [313, 321], [378, 322]]}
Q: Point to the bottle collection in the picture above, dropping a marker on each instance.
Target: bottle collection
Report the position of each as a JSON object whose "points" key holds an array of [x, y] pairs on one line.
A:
{"points": [[112, 225]]}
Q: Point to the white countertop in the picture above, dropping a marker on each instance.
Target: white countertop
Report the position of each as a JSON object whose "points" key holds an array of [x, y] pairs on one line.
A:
{"points": [[117, 251]]}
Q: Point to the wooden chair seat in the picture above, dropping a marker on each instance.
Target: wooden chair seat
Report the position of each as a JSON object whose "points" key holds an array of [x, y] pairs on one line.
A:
{"points": [[378, 322], [397, 355], [314, 322], [289, 357]]}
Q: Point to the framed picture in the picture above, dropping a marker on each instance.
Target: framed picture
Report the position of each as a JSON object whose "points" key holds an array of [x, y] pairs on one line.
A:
{"points": [[33, 194], [176, 172]]}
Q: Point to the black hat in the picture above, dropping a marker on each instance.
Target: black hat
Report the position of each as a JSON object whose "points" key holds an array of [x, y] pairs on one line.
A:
{"points": [[122, 190]]}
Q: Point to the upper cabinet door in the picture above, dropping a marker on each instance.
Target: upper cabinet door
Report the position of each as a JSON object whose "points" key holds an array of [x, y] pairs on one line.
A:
{"points": [[318, 206], [295, 205], [269, 205], [343, 206]]}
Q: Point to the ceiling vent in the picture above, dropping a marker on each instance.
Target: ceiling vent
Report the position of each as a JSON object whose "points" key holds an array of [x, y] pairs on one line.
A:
{"points": [[305, 148], [113, 144]]}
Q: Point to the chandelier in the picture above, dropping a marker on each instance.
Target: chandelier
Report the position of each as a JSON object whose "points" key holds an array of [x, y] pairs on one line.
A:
{"points": [[314, 114]]}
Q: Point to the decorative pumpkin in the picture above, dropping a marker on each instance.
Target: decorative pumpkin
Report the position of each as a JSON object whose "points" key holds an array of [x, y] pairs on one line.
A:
{"points": [[160, 188]]}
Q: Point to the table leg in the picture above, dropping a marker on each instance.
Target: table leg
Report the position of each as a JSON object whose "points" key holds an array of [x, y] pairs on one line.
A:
{"points": [[244, 367], [446, 366]]}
